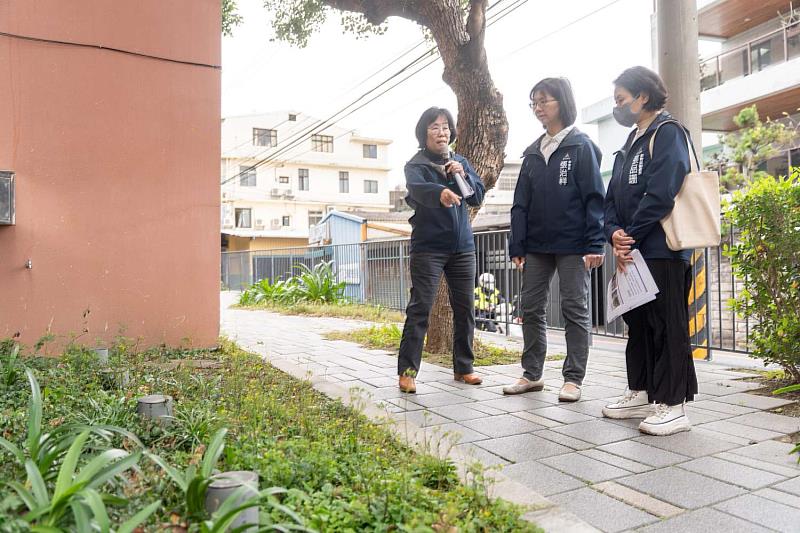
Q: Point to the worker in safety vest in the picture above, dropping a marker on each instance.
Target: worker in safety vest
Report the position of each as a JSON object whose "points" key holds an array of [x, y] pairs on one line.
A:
{"points": [[487, 298]]}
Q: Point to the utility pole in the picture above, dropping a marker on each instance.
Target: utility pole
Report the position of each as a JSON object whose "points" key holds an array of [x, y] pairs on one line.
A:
{"points": [[677, 60]]}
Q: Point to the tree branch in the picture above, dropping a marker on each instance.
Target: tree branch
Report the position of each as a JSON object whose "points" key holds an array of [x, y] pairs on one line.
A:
{"points": [[476, 25], [377, 11]]}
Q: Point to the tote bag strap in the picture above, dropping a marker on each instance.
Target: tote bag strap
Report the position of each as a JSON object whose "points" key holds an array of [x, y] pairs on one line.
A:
{"points": [[694, 163]]}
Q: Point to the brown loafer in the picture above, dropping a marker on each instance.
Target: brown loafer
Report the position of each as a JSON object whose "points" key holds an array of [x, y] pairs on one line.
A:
{"points": [[407, 384], [469, 379]]}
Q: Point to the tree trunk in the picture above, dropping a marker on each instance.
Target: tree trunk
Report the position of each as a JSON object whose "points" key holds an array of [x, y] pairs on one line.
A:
{"points": [[482, 124]]}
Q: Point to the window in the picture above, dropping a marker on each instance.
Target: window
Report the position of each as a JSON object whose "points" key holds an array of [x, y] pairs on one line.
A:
{"points": [[286, 220], [292, 117], [314, 218], [371, 186], [322, 143], [302, 179], [244, 218], [283, 179], [264, 137], [370, 151], [247, 176], [344, 182], [507, 182]]}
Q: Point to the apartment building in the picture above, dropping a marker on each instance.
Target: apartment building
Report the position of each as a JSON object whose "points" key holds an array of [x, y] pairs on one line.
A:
{"points": [[499, 200], [278, 180], [756, 61]]}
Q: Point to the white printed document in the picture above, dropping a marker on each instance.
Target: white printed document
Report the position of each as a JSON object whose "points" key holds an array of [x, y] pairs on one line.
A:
{"points": [[630, 289]]}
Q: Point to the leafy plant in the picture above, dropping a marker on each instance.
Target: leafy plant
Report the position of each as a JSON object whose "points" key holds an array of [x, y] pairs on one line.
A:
{"points": [[194, 481], [44, 450], [319, 284], [76, 500], [223, 518], [315, 285], [767, 259], [10, 367], [753, 143]]}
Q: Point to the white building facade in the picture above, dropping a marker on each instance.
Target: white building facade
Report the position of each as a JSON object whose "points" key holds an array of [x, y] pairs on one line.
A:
{"points": [[279, 179]]}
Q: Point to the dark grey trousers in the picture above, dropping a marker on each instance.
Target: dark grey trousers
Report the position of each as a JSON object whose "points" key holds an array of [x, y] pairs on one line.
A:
{"points": [[426, 271], [574, 291]]}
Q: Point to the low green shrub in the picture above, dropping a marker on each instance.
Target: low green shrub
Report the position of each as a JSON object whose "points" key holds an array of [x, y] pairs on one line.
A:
{"points": [[315, 285], [57, 494], [329, 468], [766, 258]]}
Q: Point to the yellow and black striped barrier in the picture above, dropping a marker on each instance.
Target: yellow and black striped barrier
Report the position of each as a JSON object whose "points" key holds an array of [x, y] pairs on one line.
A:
{"points": [[698, 307]]}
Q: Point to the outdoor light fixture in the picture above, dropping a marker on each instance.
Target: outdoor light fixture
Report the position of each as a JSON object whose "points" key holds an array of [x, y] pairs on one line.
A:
{"points": [[6, 198]]}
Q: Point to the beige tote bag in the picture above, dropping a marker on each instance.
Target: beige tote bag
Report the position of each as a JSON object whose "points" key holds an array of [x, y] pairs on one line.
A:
{"points": [[694, 220]]}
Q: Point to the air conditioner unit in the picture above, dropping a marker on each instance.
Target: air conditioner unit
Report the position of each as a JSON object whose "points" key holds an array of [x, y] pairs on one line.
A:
{"points": [[259, 224], [275, 193], [288, 193], [275, 223]]}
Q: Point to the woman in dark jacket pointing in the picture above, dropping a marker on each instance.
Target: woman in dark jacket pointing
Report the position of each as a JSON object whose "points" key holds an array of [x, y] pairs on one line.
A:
{"points": [[556, 225], [441, 242]]}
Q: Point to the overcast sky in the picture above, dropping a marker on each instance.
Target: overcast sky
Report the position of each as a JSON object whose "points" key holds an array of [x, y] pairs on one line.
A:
{"points": [[261, 75]]}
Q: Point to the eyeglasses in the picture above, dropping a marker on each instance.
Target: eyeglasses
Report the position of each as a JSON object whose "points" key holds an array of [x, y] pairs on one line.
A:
{"points": [[540, 103], [438, 129]]}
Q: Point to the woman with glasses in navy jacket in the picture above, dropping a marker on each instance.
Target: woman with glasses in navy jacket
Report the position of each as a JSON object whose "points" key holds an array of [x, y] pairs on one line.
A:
{"points": [[556, 226]]}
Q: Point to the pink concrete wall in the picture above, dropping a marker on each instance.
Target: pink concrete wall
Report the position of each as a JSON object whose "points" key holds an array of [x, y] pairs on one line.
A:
{"points": [[117, 170]]}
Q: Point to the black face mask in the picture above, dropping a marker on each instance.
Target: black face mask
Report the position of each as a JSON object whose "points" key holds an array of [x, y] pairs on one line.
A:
{"points": [[624, 116]]}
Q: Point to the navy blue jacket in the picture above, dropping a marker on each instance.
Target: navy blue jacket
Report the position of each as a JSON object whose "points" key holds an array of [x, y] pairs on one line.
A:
{"points": [[436, 228], [558, 205], [642, 190]]}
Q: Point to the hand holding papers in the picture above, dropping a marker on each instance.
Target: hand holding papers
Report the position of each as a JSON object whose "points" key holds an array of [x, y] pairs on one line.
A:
{"points": [[629, 289]]}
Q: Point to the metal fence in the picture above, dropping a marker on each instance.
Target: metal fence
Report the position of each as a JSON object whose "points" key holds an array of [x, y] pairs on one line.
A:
{"points": [[377, 273]]}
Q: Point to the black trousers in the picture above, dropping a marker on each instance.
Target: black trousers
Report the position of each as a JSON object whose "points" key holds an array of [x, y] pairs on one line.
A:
{"points": [[658, 354], [426, 271]]}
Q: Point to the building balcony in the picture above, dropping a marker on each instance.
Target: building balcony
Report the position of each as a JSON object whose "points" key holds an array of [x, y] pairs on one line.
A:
{"points": [[765, 71], [777, 47]]}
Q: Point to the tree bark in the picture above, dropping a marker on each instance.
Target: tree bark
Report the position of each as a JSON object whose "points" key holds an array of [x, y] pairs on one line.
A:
{"points": [[482, 124]]}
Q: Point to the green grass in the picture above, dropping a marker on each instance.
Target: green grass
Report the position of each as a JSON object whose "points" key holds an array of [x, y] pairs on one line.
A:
{"points": [[341, 472], [387, 337], [353, 311]]}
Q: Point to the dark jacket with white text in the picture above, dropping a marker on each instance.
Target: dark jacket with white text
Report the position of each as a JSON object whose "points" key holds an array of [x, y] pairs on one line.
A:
{"points": [[642, 189], [436, 228], [558, 205]]}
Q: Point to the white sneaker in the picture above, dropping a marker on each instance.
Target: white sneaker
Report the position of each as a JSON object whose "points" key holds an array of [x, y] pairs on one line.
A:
{"points": [[633, 405], [667, 419]]}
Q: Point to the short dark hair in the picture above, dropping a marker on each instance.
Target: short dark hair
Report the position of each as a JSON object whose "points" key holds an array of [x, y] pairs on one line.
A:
{"points": [[638, 80], [428, 117], [561, 90]]}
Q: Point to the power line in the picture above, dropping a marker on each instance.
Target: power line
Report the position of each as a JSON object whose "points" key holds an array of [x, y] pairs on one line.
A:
{"points": [[561, 28]]}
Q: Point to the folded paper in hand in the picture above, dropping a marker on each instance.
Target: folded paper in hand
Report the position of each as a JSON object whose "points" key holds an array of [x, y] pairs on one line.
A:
{"points": [[630, 289]]}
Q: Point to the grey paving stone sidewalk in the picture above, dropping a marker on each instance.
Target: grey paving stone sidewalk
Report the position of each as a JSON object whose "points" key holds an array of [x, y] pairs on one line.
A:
{"points": [[733, 470]]}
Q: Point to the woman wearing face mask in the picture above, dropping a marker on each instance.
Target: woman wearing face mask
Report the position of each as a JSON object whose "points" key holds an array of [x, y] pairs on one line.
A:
{"points": [[441, 242], [661, 375], [556, 225]]}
